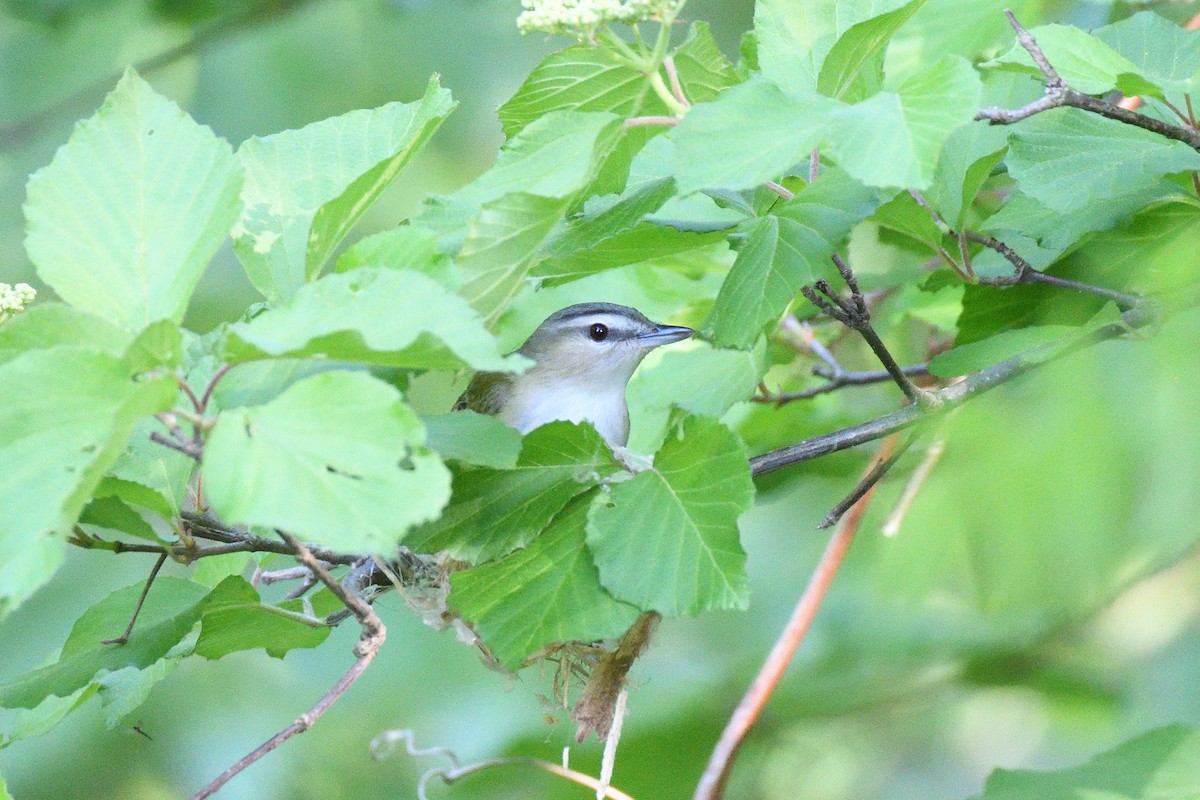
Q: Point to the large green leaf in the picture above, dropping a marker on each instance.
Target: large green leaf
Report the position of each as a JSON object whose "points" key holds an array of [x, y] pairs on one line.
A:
{"points": [[336, 459], [65, 414], [306, 188], [895, 138], [853, 68], [667, 540], [371, 315], [794, 38], [1162, 763], [171, 609], [493, 512], [1161, 52], [473, 438], [784, 251], [773, 131], [546, 592], [150, 475], [966, 161], [236, 619], [1068, 159], [1086, 63], [125, 218], [405, 247], [48, 325]]}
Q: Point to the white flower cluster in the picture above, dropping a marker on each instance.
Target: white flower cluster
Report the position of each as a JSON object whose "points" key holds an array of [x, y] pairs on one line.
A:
{"points": [[581, 18], [13, 299]]}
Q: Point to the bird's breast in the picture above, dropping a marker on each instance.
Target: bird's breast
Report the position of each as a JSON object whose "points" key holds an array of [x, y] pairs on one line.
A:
{"points": [[605, 410]]}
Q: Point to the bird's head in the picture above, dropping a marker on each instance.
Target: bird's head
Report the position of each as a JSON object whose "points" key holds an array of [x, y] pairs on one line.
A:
{"points": [[597, 344]]}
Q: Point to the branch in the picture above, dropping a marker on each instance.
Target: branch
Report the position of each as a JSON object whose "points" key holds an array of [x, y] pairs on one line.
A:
{"points": [[373, 635], [206, 526], [458, 773], [712, 781], [835, 380], [188, 448], [1058, 94], [137, 609], [869, 481], [948, 398], [1026, 273], [853, 313]]}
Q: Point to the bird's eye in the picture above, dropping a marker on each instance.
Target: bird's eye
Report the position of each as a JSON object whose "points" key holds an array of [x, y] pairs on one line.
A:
{"points": [[598, 332]]}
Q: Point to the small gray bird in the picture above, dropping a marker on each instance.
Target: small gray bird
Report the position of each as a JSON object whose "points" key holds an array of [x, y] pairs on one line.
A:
{"points": [[585, 355]]}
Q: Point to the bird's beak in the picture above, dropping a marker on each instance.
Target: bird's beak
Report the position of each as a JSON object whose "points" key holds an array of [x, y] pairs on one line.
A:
{"points": [[664, 334]]}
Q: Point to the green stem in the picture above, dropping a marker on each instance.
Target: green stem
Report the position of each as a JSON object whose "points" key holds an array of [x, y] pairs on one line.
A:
{"points": [[660, 88]]}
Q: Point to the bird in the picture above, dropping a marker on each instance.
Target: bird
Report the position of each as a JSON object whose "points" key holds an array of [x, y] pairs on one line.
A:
{"points": [[584, 355]]}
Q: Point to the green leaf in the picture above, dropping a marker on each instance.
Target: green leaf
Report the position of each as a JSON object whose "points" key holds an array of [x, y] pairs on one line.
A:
{"points": [[124, 690], [236, 619], [977, 355], [306, 188], [783, 252], [149, 475], [645, 242], [751, 133], [604, 218], [65, 414], [895, 138], [171, 609], [1161, 52], [473, 438], [853, 68], [47, 325], [1161, 763], [336, 459], [31, 722], [967, 159], [406, 247], [493, 512], [794, 38], [113, 514], [544, 593], [371, 315], [159, 345], [702, 380], [667, 540], [1068, 159], [501, 247], [1084, 61], [125, 218], [589, 77]]}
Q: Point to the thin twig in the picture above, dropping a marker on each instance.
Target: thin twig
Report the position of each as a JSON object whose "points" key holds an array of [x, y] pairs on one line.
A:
{"points": [[853, 313], [952, 396], [868, 482], [212, 385], [1058, 95], [673, 77], [137, 609], [933, 454], [814, 165], [458, 773], [712, 781], [786, 194], [206, 526], [1026, 273], [188, 448], [837, 380], [633, 122], [373, 635]]}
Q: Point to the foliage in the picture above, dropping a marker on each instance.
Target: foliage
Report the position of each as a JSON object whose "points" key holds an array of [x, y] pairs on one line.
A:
{"points": [[718, 193]]}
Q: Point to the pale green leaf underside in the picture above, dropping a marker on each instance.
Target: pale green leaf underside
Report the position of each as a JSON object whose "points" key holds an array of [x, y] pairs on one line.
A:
{"points": [[473, 438], [546, 592], [127, 215], [335, 459], [65, 414], [306, 188], [372, 315], [236, 619]]}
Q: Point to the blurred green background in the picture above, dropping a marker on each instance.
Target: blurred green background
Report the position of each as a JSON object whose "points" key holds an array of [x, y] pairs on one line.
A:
{"points": [[1008, 624]]}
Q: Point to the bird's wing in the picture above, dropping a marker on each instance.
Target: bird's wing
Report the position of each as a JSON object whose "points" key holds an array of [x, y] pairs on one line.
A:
{"points": [[485, 393]]}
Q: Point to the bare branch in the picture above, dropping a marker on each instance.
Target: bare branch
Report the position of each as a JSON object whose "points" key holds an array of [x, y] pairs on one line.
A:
{"points": [[950, 397], [853, 313], [933, 454], [137, 609], [673, 77], [206, 526], [458, 773], [868, 482], [712, 781], [1058, 95], [373, 635], [633, 122], [786, 194], [837, 380]]}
